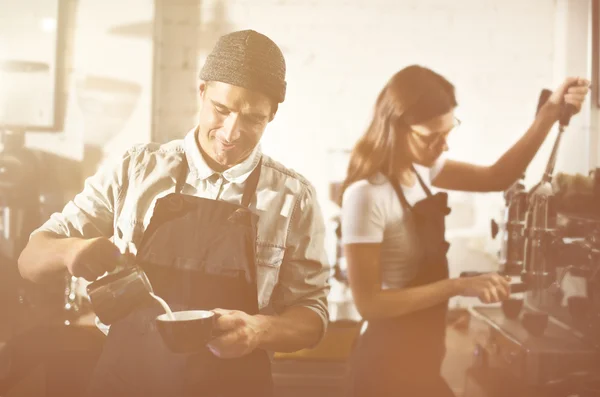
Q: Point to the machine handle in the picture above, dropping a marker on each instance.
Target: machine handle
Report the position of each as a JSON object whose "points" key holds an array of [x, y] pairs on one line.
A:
{"points": [[475, 274], [514, 287], [518, 287], [494, 228], [566, 112], [471, 274], [544, 95], [543, 98]]}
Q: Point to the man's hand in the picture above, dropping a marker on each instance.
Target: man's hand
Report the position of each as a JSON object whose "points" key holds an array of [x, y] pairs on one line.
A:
{"points": [[572, 91], [240, 333], [91, 258]]}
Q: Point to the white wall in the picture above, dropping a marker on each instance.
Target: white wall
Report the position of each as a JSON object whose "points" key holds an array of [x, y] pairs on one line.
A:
{"points": [[572, 57]]}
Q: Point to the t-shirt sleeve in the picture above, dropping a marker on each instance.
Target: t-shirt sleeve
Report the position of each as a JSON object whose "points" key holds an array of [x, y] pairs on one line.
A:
{"points": [[363, 220], [436, 168]]}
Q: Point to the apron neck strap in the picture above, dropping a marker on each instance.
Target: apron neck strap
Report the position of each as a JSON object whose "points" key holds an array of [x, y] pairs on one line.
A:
{"points": [[423, 185], [249, 188], [182, 175], [251, 185], [400, 192]]}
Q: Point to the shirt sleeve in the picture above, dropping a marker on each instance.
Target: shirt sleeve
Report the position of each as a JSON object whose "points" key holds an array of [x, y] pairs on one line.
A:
{"points": [[91, 213], [363, 218], [436, 168], [304, 273]]}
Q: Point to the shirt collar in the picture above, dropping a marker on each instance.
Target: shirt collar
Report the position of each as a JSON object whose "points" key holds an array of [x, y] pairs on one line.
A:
{"points": [[200, 170]]}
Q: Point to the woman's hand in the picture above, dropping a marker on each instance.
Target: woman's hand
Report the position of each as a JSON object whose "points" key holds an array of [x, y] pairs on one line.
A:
{"points": [[489, 287], [572, 91]]}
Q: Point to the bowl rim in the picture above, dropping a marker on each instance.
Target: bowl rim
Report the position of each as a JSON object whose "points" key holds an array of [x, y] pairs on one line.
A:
{"points": [[206, 314]]}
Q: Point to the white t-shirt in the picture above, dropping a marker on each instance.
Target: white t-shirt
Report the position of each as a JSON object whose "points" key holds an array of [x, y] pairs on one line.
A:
{"points": [[372, 213]]}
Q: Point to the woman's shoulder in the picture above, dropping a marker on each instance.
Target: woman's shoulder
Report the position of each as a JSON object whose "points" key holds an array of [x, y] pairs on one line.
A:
{"points": [[370, 189]]}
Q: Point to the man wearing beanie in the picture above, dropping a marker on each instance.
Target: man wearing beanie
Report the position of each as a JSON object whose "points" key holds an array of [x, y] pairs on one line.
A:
{"points": [[223, 233]]}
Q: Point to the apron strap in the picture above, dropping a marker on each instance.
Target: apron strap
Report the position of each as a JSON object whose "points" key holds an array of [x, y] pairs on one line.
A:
{"points": [[251, 185], [423, 185], [249, 189], [400, 192], [182, 175], [400, 195]]}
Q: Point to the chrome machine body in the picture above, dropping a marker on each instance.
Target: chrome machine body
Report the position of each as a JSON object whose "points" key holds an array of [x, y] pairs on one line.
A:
{"points": [[511, 229]]}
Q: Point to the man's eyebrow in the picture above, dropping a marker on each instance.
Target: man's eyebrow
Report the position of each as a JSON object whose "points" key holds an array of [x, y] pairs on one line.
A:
{"points": [[257, 116], [253, 115], [218, 104]]}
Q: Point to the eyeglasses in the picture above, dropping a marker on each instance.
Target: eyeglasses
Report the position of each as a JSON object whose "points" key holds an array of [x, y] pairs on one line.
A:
{"points": [[432, 140]]}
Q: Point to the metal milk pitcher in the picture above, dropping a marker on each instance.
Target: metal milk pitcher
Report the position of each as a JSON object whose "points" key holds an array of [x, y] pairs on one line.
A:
{"points": [[116, 295]]}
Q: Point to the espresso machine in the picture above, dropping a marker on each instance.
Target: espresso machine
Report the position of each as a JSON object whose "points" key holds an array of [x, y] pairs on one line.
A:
{"points": [[511, 227], [18, 212], [545, 340], [22, 209]]}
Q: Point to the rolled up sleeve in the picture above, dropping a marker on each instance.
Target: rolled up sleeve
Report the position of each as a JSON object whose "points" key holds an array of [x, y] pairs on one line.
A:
{"points": [[91, 213], [304, 274]]}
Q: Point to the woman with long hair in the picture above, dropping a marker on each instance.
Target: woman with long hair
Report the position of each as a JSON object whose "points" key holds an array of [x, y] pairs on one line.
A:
{"points": [[393, 228]]}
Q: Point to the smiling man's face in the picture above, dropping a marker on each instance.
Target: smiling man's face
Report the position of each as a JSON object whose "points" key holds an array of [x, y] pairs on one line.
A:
{"points": [[232, 122]]}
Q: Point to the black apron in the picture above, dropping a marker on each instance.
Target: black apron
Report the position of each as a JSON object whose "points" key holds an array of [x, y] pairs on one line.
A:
{"points": [[402, 356], [198, 254]]}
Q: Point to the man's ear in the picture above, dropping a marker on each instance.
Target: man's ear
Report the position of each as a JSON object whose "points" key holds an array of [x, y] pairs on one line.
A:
{"points": [[202, 87]]}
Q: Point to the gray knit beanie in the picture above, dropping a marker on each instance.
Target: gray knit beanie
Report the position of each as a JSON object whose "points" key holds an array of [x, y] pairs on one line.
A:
{"points": [[247, 59]]}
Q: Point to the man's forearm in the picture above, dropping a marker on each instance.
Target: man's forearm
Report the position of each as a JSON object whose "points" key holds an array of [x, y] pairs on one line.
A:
{"points": [[296, 328], [43, 259]]}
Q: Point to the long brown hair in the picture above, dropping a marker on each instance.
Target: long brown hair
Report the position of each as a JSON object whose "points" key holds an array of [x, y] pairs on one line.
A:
{"points": [[413, 95]]}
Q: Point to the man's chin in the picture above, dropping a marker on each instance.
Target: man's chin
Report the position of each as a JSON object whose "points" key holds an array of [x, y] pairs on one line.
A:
{"points": [[228, 160], [224, 159], [224, 163], [217, 161]]}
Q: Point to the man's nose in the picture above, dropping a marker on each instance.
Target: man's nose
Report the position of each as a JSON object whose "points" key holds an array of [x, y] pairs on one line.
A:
{"points": [[231, 128]]}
